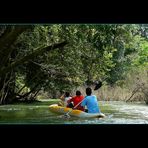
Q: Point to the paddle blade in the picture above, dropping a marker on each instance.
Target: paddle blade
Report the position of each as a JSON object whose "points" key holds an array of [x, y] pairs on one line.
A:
{"points": [[67, 116], [98, 85]]}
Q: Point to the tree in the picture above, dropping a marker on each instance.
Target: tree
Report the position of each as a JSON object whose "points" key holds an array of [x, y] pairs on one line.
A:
{"points": [[84, 54], [9, 61]]}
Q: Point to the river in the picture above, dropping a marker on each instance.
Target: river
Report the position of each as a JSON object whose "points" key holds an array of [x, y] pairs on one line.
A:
{"points": [[116, 112]]}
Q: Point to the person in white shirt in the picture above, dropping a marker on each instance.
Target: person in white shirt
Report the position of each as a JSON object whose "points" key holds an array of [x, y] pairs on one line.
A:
{"points": [[65, 98]]}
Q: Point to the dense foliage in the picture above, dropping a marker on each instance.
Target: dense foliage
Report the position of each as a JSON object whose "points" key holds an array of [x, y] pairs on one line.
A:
{"points": [[54, 58]]}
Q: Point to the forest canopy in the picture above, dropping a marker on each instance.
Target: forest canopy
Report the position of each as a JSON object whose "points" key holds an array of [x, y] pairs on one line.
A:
{"points": [[55, 58]]}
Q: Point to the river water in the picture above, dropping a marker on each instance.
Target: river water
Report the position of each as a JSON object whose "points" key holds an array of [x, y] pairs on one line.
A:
{"points": [[116, 112]]}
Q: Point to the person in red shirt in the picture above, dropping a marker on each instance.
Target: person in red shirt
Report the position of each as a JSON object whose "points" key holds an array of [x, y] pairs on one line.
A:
{"points": [[77, 99]]}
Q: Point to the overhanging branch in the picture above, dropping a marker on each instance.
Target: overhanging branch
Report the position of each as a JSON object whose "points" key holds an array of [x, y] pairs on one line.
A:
{"points": [[37, 52]]}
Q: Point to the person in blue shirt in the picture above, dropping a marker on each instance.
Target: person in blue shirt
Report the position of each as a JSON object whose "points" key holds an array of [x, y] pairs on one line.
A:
{"points": [[91, 102]]}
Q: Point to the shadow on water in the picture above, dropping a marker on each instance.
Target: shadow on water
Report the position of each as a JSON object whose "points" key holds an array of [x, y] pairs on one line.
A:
{"points": [[38, 113]]}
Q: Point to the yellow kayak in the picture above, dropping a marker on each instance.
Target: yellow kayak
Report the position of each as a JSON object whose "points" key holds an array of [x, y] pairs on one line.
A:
{"points": [[76, 113]]}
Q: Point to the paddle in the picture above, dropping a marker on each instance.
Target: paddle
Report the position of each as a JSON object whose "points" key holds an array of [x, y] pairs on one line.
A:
{"points": [[67, 114], [98, 85]]}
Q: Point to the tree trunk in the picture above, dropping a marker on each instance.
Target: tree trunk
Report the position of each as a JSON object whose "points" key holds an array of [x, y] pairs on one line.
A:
{"points": [[8, 89], [7, 85]]}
